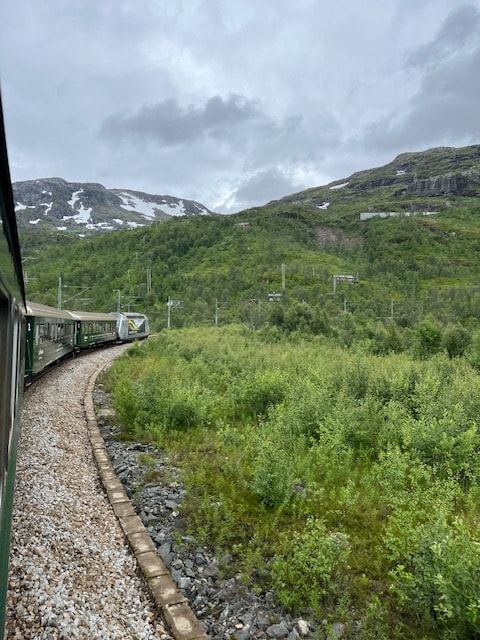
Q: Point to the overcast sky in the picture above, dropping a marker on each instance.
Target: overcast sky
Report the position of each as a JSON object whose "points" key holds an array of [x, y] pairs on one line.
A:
{"points": [[233, 103]]}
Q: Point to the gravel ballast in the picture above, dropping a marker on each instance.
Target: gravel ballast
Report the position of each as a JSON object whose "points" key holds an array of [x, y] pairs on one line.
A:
{"points": [[71, 572]]}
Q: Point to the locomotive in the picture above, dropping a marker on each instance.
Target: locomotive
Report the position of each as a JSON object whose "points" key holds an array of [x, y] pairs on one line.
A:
{"points": [[33, 337]]}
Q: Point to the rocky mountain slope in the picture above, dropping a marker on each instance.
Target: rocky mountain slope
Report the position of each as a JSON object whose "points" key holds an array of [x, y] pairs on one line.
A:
{"points": [[87, 208], [420, 181]]}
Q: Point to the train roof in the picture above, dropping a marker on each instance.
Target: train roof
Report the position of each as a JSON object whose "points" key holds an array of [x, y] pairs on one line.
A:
{"points": [[91, 316], [129, 314], [43, 311]]}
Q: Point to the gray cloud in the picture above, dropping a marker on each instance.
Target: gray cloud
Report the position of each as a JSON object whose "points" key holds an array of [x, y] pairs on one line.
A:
{"points": [[460, 28], [265, 185], [444, 109], [171, 124], [232, 103]]}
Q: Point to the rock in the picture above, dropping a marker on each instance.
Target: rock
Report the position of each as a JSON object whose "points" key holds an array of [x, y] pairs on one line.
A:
{"points": [[211, 571], [303, 627], [279, 630], [337, 631], [242, 634]]}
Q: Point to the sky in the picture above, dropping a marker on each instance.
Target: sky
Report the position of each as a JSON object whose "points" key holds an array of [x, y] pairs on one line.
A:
{"points": [[233, 103]]}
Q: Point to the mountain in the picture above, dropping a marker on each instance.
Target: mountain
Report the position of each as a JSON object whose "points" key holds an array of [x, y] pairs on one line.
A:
{"points": [[418, 182], [412, 182], [88, 208]]}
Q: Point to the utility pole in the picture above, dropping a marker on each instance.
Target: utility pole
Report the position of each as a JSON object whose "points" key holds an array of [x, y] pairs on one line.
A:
{"points": [[175, 304], [283, 275], [61, 286], [218, 305], [149, 280], [117, 291]]}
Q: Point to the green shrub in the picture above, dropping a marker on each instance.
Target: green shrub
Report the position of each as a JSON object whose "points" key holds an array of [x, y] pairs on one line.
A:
{"points": [[274, 466], [307, 569], [254, 393], [440, 581], [429, 339]]}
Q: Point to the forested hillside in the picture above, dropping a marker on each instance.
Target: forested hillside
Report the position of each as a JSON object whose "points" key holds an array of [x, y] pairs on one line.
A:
{"points": [[405, 269]]}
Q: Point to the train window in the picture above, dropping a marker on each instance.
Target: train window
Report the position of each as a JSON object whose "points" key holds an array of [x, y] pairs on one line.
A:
{"points": [[14, 374], [5, 395], [42, 333]]}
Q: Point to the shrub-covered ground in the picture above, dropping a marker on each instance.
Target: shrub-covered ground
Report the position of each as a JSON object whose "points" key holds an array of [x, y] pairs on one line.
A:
{"points": [[349, 482]]}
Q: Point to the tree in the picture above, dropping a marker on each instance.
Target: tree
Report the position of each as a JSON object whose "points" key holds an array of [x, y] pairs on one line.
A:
{"points": [[456, 340], [428, 338]]}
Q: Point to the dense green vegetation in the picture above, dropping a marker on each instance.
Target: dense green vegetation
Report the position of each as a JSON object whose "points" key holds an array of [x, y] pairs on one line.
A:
{"points": [[349, 482], [406, 268]]}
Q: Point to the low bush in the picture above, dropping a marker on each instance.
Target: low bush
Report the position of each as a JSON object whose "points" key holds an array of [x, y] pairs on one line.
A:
{"points": [[309, 567]]}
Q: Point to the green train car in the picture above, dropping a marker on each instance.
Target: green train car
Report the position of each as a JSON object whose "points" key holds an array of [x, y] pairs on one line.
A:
{"points": [[93, 329], [12, 343], [50, 337]]}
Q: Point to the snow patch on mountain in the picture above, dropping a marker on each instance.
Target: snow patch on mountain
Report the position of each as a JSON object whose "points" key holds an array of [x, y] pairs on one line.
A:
{"points": [[82, 217], [75, 197], [134, 203]]}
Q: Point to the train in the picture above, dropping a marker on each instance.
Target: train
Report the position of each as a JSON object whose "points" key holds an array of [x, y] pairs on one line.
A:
{"points": [[55, 334], [33, 338], [12, 351]]}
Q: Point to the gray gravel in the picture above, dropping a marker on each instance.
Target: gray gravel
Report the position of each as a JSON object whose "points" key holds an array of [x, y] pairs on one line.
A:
{"points": [[71, 573]]}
